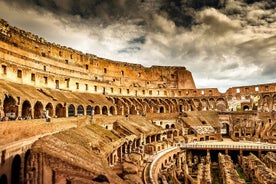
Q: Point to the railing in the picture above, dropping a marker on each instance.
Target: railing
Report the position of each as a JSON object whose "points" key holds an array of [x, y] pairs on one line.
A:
{"points": [[235, 145]]}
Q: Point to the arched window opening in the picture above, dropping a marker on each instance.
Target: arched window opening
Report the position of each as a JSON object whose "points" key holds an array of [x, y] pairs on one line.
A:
{"points": [[49, 110], [80, 110], [71, 110], [161, 110], [172, 126], [60, 111], [245, 108], [15, 172], [38, 110], [89, 110], [97, 110], [167, 126], [104, 110], [112, 110], [26, 110], [10, 108]]}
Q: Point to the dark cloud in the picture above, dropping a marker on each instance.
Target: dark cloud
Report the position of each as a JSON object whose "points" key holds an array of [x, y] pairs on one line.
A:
{"points": [[139, 40]]}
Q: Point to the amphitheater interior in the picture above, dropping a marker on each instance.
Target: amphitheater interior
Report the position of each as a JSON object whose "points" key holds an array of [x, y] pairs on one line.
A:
{"points": [[68, 117]]}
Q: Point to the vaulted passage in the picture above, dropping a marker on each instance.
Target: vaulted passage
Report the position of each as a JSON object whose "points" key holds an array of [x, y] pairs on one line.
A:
{"points": [[71, 110], [88, 110], [49, 110], [15, 173], [80, 110], [10, 108], [38, 110], [60, 111], [26, 110]]}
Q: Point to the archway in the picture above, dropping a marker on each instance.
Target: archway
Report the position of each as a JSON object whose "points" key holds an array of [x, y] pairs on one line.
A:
{"points": [[71, 110], [161, 109], [60, 111], [49, 110], [104, 110], [4, 179], [15, 172], [245, 108], [88, 110], [97, 110], [224, 130], [112, 110], [38, 110], [167, 126], [80, 110], [10, 108], [26, 110], [133, 110], [221, 105]]}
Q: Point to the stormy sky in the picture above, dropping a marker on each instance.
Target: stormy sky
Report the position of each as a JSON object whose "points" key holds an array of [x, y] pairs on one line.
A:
{"points": [[224, 43]]}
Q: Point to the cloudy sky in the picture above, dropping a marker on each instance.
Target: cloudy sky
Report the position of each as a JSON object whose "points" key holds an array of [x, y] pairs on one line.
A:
{"points": [[224, 43]]}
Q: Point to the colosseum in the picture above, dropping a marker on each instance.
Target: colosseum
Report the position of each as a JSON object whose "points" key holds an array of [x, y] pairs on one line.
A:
{"points": [[69, 117]]}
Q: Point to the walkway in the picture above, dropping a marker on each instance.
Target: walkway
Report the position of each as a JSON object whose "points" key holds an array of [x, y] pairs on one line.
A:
{"points": [[229, 144]]}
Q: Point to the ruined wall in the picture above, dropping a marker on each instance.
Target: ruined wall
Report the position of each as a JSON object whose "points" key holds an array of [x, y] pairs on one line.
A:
{"points": [[70, 68]]}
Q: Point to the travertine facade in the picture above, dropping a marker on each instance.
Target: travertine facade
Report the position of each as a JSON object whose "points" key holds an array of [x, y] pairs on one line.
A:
{"points": [[70, 117]]}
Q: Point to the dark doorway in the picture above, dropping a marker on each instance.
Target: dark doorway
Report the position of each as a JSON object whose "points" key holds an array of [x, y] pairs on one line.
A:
{"points": [[16, 170]]}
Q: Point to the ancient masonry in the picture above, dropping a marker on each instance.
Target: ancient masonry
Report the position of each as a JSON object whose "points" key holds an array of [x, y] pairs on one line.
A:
{"points": [[69, 117]]}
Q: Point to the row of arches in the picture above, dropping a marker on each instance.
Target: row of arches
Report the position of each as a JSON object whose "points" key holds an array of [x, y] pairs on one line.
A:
{"points": [[12, 109], [158, 105], [30, 109], [18, 169]]}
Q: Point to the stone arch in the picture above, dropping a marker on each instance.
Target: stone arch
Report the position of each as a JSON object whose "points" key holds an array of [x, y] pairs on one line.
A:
{"points": [[138, 105], [60, 111], [221, 104], [80, 110], [38, 110], [4, 179], [10, 108], [146, 107], [225, 128], [71, 110], [133, 110], [245, 108], [112, 110], [197, 104], [161, 109], [104, 110], [15, 170], [89, 110], [26, 110], [212, 103], [265, 103], [166, 105], [205, 106], [97, 110], [49, 110]]}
